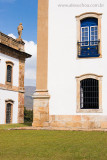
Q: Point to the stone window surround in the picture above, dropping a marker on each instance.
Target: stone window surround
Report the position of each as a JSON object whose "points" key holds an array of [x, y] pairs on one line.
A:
{"points": [[85, 76], [11, 102], [11, 64], [87, 15]]}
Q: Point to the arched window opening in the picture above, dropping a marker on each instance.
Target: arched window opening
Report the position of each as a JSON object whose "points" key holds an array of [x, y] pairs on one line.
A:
{"points": [[89, 93], [8, 112], [89, 35], [9, 73], [89, 31]]}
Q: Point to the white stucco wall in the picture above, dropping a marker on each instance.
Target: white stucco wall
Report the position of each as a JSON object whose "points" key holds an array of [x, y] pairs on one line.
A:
{"points": [[5, 95], [3, 60], [63, 66]]}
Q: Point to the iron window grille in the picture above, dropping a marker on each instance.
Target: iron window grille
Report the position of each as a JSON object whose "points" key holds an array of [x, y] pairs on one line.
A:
{"points": [[89, 94]]}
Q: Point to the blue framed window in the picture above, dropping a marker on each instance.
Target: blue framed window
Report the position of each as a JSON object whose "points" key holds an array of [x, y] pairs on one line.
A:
{"points": [[84, 36], [89, 45], [94, 35]]}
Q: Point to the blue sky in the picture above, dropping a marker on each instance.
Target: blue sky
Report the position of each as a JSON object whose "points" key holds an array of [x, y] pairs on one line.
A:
{"points": [[13, 12]]}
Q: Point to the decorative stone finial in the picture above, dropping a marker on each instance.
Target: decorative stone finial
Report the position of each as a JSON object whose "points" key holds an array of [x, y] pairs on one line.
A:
{"points": [[19, 28]]}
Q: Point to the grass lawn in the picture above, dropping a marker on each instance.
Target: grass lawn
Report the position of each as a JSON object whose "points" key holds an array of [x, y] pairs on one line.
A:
{"points": [[7, 126], [51, 145]]}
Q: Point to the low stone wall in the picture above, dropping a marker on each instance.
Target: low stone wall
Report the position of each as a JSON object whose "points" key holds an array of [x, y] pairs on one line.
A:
{"points": [[78, 121], [73, 122]]}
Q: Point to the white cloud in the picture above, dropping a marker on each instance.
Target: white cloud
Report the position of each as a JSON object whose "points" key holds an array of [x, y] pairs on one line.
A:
{"points": [[11, 35], [30, 71], [30, 64]]}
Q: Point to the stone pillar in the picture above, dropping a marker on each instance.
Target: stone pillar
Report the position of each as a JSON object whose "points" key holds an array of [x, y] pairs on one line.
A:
{"points": [[41, 96], [21, 91]]}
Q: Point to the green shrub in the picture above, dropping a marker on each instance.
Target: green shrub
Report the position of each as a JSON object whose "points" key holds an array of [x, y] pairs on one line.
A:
{"points": [[28, 115]]}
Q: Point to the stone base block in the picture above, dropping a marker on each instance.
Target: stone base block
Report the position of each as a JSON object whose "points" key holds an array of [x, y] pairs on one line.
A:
{"points": [[41, 109], [40, 124], [78, 121], [104, 125]]}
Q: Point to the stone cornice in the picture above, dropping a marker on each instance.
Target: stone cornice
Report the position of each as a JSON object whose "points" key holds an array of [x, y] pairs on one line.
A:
{"points": [[11, 88], [13, 52], [89, 74], [39, 95], [13, 43], [89, 13]]}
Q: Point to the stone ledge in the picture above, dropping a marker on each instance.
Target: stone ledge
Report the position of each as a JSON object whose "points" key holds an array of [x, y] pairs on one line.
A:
{"points": [[57, 128], [13, 43], [11, 88], [70, 121], [13, 52], [41, 95]]}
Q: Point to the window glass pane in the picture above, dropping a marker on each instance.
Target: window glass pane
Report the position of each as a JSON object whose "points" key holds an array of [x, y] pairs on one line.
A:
{"points": [[82, 33], [92, 38], [96, 38], [82, 38], [95, 32], [92, 33], [86, 38], [9, 72], [86, 29], [82, 29], [96, 28], [92, 28], [86, 33]]}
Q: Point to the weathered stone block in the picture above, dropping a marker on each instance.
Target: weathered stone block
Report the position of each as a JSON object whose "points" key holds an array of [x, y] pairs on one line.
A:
{"points": [[41, 109], [76, 118], [69, 124], [104, 125], [57, 124], [51, 118], [63, 118], [44, 117]]}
